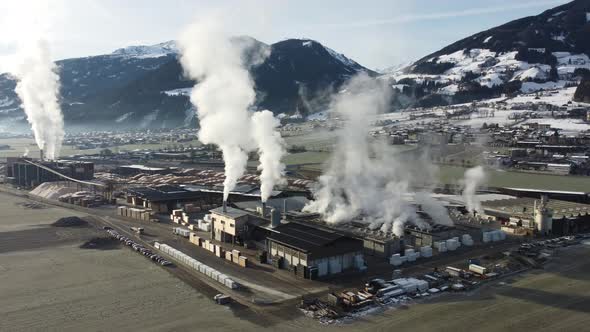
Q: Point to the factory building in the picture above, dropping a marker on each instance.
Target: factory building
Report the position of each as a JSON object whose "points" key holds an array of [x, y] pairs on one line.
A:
{"points": [[165, 198], [233, 225], [306, 250], [545, 216], [418, 237], [312, 252], [22, 173], [375, 242]]}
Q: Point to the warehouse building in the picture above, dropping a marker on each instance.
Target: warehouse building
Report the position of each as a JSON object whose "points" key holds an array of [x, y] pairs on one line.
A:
{"points": [[543, 215], [165, 198], [313, 253], [22, 173]]}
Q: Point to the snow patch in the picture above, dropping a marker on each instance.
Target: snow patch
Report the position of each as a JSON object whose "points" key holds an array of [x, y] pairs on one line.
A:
{"points": [[485, 41], [528, 87], [319, 116], [344, 60], [6, 101], [538, 72], [449, 89], [189, 115], [148, 119], [123, 117], [558, 13], [148, 51], [178, 92], [307, 43]]}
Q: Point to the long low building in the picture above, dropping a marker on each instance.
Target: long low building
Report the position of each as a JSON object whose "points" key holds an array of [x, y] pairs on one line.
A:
{"points": [[165, 198]]}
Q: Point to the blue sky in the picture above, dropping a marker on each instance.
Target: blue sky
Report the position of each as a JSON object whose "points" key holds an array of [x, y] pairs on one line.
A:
{"points": [[377, 34]]}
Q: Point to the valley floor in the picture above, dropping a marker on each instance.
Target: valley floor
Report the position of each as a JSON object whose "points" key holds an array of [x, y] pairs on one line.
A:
{"points": [[48, 283]]}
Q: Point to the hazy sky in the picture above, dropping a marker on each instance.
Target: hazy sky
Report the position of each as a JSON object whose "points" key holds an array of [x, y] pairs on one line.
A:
{"points": [[377, 34]]}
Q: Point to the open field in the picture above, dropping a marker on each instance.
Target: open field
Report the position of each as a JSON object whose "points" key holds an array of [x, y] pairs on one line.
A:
{"points": [[496, 178], [20, 145]]}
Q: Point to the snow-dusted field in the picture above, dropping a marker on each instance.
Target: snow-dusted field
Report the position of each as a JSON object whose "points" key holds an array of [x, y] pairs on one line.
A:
{"points": [[557, 97], [573, 125], [500, 117]]}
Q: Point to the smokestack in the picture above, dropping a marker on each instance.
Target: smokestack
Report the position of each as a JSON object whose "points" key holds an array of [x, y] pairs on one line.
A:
{"points": [[263, 212], [275, 218], [285, 207], [224, 206], [41, 155]]}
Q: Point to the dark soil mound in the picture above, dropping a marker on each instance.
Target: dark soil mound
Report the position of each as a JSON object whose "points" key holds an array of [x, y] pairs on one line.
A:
{"points": [[70, 222], [101, 243]]}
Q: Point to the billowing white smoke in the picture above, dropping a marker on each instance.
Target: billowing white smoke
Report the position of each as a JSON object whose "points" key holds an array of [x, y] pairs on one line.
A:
{"points": [[433, 208], [474, 178], [362, 178], [223, 95], [271, 148], [38, 89]]}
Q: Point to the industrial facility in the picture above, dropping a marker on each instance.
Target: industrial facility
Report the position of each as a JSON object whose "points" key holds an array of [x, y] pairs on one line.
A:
{"points": [[28, 173]]}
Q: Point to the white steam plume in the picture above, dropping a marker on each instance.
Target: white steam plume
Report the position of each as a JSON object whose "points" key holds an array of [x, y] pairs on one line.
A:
{"points": [[433, 208], [222, 96], [363, 179], [38, 89], [473, 179], [271, 148]]}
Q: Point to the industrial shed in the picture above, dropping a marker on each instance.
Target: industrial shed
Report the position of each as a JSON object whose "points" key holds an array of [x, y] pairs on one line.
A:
{"points": [[165, 198], [312, 252]]}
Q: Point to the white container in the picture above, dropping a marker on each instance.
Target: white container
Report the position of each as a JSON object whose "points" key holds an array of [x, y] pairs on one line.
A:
{"points": [[426, 252], [395, 260], [496, 236], [452, 244]]}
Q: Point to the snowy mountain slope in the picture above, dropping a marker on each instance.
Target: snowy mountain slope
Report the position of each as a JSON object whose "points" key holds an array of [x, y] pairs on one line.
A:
{"points": [[534, 53]]}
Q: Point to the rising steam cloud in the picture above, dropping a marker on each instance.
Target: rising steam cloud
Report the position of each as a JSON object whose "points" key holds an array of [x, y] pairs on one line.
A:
{"points": [[271, 148], [38, 89], [223, 95], [473, 179], [363, 180]]}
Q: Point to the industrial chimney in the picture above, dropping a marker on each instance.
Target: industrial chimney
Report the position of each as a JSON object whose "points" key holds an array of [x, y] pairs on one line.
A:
{"points": [[285, 207], [275, 217], [224, 206], [263, 212], [41, 155]]}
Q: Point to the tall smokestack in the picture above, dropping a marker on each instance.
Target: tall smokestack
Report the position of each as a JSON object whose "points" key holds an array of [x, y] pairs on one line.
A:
{"points": [[41, 155], [263, 210], [275, 218], [224, 206], [285, 207]]}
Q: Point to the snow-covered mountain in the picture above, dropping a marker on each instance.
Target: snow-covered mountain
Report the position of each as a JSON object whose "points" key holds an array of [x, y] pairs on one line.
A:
{"points": [[150, 51], [547, 51], [145, 85]]}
